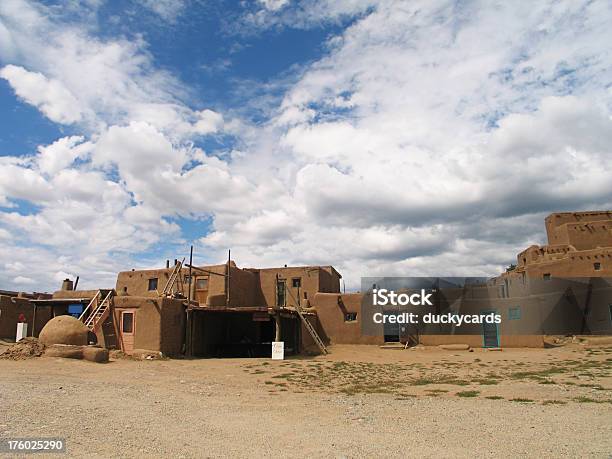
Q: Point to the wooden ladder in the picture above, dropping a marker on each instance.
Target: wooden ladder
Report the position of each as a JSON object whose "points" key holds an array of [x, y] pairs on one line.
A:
{"points": [[96, 311], [315, 336], [174, 276]]}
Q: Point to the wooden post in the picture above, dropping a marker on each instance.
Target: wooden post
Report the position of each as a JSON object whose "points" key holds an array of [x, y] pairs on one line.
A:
{"points": [[188, 332], [190, 263], [34, 321], [277, 320], [227, 279]]}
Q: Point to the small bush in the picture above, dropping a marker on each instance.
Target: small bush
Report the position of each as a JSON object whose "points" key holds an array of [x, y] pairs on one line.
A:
{"points": [[468, 393]]}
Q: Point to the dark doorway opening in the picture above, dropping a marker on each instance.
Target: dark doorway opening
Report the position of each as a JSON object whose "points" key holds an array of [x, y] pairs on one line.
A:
{"points": [[392, 331], [217, 334]]}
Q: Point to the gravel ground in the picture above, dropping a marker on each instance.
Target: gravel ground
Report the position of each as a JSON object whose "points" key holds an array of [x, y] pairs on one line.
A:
{"points": [[219, 408]]}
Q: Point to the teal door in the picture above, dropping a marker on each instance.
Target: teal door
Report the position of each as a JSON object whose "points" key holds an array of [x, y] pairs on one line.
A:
{"points": [[490, 333]]}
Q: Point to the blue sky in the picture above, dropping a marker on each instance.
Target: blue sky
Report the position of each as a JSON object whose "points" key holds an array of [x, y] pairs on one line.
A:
{"points": [[383, 137]]}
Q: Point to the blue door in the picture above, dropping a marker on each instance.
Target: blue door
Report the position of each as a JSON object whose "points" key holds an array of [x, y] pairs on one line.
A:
{"points": [[75, 310], [490, 333]]}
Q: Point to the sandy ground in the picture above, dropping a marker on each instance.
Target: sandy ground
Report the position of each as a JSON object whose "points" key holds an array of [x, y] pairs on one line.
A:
{"points": [[359, 401]]}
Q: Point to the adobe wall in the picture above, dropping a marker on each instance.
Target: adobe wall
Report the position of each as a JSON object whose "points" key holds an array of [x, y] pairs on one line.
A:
{"points": [[216, 284], [136, 283], [10, 309], [74, 294], [329, 280], [554, 221], [244, 288], [331, 309], [575, 264], [584, 236], [309, 276], [147, 320], [475, 341], [173, 320]]}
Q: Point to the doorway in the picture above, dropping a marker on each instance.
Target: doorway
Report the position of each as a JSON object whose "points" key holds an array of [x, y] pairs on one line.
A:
{"points": [[127, 331], [391, 331], [490, 333], [281, 293], [201, 289]]}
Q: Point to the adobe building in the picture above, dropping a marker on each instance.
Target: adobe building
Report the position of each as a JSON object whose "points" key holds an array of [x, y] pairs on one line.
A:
{"points": [[561, 288], [222, 310], [218, 310]]}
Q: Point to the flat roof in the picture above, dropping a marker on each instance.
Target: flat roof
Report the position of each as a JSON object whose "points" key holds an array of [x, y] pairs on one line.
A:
{"points": [[299, 267], [59, 301]]}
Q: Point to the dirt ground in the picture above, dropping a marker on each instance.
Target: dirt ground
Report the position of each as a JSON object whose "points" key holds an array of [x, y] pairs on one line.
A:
{"points": [[359, 401]]}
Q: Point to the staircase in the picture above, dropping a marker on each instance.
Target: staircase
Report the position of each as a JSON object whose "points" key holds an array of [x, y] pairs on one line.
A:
{"points": [[97, 310], [315, 336]]}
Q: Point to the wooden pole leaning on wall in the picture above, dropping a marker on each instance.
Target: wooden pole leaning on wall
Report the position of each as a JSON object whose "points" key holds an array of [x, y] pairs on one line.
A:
{"points": [[188, 312], [227, 278]]}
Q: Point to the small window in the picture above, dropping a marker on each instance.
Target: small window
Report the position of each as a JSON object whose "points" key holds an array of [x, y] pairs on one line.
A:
{"points": [[153, 284], [350, 317], [597, 266], [127, 322], [187, 278], [514, 313], [202, 283], [546, 276], [296, 282]]}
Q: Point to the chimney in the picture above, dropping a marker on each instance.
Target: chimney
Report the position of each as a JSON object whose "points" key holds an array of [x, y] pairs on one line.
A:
{"points": [[67, 284]]}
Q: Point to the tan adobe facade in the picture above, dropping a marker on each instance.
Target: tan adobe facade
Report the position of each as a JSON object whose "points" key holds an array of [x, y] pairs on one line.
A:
{"points": [[579, 245], [223, 310]]}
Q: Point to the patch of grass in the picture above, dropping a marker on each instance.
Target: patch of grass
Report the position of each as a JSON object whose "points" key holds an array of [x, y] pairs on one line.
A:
{"points": [[521, 400], [404, 396], [553, 402], [547, 381], [537, 374], [487, 382], [583, 399], [439, 380], [593, 386], [437, 391], [422, 381], [494, 397], [468, 393]]}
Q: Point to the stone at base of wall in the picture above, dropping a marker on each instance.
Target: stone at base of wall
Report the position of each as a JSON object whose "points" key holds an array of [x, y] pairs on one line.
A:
{"points": [[69, 351]]}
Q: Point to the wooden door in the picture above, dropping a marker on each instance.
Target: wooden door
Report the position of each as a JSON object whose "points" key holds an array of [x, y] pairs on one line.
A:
{"points": [[128, 327], [201, 289]]}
